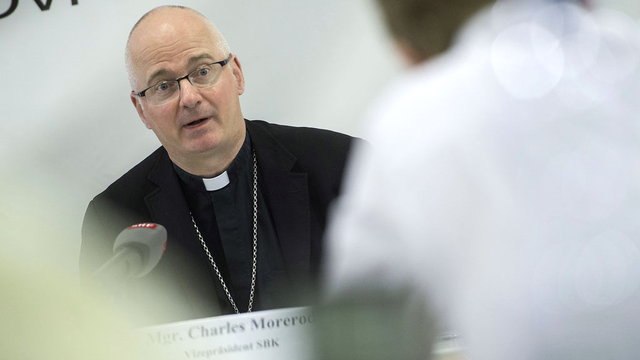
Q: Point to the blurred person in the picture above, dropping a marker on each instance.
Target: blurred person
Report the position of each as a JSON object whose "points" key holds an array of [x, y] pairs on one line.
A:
{"points": [[244, 202], [502, 180], [44, 315]]}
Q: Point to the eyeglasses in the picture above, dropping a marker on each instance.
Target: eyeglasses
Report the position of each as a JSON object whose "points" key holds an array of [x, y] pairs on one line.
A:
{"points": [[165, 91]]}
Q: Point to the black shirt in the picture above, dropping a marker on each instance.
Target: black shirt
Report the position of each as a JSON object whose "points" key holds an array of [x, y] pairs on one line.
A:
{"points": [[225, 220]]}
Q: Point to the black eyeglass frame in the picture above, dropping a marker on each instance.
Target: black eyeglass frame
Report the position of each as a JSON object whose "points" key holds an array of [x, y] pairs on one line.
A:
{"points": [[221, 62]]}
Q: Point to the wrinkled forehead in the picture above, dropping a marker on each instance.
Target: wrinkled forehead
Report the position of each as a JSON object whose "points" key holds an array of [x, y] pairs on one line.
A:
{"points": [[166, 26]]}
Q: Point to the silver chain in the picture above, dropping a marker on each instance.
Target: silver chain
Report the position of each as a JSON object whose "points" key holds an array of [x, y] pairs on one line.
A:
{"points": [[255, 245]]}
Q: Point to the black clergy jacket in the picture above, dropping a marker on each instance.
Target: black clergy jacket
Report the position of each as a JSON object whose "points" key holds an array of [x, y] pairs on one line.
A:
{"points": [[299, 174]]}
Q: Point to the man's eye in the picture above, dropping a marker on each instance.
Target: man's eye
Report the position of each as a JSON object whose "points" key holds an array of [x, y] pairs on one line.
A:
{"points": [[163, 86], [203, 72]]}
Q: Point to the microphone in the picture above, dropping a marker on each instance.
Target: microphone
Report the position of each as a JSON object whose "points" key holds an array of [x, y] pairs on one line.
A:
{"points": [[137, 250]]}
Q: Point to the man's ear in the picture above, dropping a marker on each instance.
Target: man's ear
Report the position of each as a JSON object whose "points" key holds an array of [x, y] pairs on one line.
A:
{"points": [[138, 105], [408, 52], [236, 69], [586, 3]]}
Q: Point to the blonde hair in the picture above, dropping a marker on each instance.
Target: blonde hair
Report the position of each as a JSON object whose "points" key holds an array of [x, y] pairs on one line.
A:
{"points": [[428, 26]]}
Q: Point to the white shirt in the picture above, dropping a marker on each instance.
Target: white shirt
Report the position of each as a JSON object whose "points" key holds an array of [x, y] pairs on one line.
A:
{"points": [[503, 182]]}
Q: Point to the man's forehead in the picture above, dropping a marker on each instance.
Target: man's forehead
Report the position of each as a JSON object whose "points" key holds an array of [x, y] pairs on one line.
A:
{"points": [[174, 48], [181, 44]]}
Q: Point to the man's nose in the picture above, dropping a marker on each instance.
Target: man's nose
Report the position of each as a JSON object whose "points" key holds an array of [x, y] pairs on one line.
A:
{"points": [[189, 95]]}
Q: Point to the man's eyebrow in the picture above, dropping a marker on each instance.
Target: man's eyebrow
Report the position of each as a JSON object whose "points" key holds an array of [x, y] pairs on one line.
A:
{"points": [[195, 59], [158, 73], [164, 72]]}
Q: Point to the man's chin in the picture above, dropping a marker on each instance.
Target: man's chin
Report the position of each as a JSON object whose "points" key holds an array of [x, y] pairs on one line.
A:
{"points": [[203, 149]]}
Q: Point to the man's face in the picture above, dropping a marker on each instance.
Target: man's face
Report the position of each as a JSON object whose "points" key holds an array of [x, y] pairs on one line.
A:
{"points": [[201, 122]]}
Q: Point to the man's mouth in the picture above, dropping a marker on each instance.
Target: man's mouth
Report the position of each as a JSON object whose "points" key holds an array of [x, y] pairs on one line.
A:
{"points": [[196, 122]]}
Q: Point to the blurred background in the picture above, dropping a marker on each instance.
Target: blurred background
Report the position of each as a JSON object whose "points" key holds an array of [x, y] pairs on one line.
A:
{"points": [[68, 129]]}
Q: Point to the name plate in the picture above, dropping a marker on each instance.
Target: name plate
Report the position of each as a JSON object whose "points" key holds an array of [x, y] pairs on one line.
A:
{"points": [[270, 334]]}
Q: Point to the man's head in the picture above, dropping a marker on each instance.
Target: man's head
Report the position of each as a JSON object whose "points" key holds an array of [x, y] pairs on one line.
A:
{"points": [[424, 28], [202, 123]]}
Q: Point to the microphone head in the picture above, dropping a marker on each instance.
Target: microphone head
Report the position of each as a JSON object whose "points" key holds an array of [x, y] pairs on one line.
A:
{"points": [[149, 239]]}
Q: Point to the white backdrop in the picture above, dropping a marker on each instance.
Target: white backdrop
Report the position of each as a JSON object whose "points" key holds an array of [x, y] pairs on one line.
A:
{"points": [[68, 129]]}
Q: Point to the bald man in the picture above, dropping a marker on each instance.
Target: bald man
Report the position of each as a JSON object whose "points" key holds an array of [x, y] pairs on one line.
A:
{"points": [[244, 202]]}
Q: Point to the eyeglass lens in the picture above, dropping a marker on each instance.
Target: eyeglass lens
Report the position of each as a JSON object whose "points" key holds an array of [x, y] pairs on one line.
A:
{"points": [[168, 90]]}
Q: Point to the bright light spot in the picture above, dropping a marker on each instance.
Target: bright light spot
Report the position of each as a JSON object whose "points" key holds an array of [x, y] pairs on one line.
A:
{"points": [[527, 60], [587, 275]]}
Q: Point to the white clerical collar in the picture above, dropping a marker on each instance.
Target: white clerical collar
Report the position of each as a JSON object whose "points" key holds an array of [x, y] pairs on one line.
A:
{"points": [[216, 183]]}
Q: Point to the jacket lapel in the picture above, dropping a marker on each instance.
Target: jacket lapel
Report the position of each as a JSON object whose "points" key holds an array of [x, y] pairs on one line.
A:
{"points": [[287, 195], [167, 205], [184, 261]]}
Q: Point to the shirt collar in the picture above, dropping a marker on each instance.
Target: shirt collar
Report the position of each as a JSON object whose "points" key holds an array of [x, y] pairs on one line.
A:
{"points": [[216, 183], [241, 162]]}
